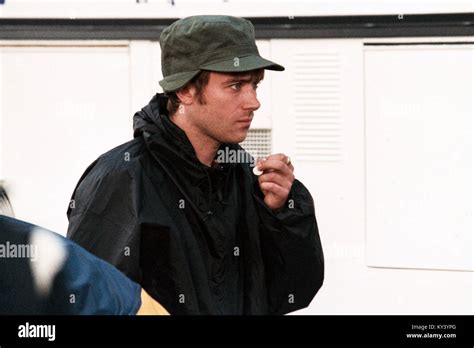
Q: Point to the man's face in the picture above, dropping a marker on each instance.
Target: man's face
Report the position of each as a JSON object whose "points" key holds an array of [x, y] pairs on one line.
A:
{"points": [[229, 101]]}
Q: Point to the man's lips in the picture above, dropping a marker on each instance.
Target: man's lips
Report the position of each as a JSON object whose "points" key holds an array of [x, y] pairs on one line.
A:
{"points": [[245, 120]]}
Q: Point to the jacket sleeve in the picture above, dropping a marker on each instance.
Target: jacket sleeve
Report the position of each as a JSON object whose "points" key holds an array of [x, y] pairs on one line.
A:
{"points": [[291, 250], [103, 219]]}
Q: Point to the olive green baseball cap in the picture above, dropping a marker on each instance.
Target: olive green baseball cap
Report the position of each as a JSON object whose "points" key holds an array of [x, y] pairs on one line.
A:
{"points": [[214, 43]]}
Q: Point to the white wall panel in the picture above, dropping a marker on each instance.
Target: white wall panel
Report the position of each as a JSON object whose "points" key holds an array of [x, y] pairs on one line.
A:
{"points": [[145, 72], [318, 121], [63, 106], [317, 117], [263, 116], [419, 156]]}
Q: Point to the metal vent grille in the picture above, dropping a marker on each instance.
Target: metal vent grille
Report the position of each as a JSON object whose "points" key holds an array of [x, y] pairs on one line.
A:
{"points": [[316, 89], [258, 142]]}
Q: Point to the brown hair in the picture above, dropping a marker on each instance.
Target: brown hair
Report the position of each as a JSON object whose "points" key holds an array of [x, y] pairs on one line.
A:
{"points": [[200, 81]]}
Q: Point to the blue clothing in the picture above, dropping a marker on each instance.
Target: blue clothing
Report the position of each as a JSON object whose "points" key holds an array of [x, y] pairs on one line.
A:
{"points": [[84, 284]]}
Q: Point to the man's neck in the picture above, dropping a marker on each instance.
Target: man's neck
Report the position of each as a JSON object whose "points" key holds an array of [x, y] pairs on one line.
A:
{"points": [[204, 146]]}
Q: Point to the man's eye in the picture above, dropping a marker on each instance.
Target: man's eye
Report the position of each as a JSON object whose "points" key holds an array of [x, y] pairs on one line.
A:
{"points": [[255, 85], [236, 86]]}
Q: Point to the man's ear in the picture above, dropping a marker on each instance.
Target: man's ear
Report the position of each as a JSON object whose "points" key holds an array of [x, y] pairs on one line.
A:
{"points": [[186, 94]]}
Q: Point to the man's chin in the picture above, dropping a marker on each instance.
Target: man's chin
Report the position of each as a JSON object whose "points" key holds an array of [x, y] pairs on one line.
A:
{"points": [[238, 140]]}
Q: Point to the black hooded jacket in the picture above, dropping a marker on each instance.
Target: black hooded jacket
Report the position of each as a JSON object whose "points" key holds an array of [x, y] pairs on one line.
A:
{"points": [[199, 239]]}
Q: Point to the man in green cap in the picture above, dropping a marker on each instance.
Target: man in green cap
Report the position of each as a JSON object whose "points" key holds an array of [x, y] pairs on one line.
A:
{"points": [[203, 234]]}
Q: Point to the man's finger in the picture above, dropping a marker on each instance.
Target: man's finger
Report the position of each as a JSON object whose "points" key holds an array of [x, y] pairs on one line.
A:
{"points": [[276, 178], [281, 157], [274, 165], [278, 156], [275, 189]]}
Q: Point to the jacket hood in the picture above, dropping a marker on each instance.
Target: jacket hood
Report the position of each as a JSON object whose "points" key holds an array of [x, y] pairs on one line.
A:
{"points": [[147, 118], [154, 118]]}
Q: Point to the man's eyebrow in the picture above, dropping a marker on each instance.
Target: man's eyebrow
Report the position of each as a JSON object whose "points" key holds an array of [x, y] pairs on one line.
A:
{"points": [[239, 79]]}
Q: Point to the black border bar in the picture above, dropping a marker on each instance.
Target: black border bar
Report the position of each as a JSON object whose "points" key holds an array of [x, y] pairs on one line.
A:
{"points": [[399, 25], [261, 330]]}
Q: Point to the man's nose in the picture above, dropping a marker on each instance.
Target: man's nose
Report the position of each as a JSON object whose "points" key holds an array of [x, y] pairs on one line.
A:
{"points": [[251, 101]]}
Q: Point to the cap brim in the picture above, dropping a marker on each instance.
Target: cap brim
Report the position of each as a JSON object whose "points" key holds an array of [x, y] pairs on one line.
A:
{"points": [[176, 81], [241, 64]]}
